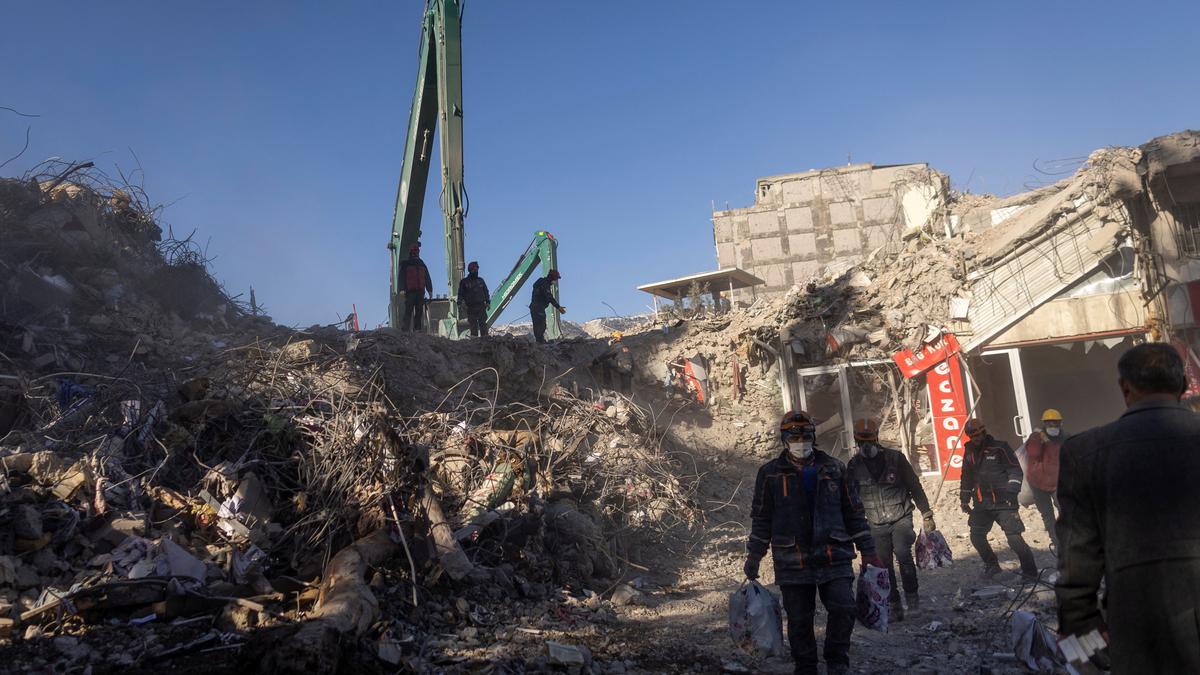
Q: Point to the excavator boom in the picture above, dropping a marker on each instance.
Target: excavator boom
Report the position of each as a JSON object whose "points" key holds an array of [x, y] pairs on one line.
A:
{"points": [[542, 252], [437, 106], [436, 100]]}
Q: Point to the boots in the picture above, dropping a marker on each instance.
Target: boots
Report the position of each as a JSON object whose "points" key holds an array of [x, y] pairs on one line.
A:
{"points": [[913, 600], [895, 610]]}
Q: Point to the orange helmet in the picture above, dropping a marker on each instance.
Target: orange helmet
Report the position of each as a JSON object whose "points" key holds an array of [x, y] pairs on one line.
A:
{"points": [[554, 275], [866, 429], [797, 424], [974, 428]]}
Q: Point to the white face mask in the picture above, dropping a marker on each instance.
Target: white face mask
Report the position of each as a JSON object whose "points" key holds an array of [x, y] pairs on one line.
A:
{"points": [[1053, 431], [801, 449], [870, 449]]}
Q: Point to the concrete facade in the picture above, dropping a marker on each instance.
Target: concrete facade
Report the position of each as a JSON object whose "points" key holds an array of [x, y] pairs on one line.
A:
{"points": [[802, 223]]}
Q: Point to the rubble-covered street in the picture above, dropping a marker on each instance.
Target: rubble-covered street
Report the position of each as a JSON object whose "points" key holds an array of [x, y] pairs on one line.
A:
{"points": [[823, 339], [190, 487]]}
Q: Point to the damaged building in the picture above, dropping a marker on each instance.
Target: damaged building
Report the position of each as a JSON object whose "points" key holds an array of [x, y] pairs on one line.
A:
{"points": [[962, 305]]}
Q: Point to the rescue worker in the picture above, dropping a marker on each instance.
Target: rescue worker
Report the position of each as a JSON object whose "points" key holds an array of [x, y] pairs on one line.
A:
{"points": [[473, 295], [619, 358], [1130, 520], [991, 481], [415, 277], [888, 487], [1041, 468], [807, 511], [543, 297]]}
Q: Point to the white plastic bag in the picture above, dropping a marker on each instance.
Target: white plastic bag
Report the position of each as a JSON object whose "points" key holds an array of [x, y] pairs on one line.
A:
{"points": [[1034, 644], [872, 598], [1025, 497], [932, 550], [756, 620]]}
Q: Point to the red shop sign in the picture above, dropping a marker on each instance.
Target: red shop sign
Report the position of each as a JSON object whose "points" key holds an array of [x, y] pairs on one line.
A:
{"points": [[939, 350], [948, 399]]}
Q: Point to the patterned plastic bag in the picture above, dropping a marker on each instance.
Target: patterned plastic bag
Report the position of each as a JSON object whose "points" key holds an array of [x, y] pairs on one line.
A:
{"points": [[872, 598], [932, 550], [756, 620]]}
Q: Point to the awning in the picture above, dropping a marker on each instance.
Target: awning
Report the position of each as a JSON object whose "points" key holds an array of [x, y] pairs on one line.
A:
{"points": [[729, 278]]}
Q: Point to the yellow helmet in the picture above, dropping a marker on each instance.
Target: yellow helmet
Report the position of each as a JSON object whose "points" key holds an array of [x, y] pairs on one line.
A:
{"points": [[616, 336], [1051, 415]]}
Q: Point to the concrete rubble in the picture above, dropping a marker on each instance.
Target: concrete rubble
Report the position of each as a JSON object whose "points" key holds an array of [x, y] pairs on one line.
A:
{"points": [[188, 486]]}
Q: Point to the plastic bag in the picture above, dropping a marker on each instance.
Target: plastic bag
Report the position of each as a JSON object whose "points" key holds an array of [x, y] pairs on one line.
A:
{"points": [[1034, 644], [1025, 496], [932, 550], [756, 620], [872, 598]]}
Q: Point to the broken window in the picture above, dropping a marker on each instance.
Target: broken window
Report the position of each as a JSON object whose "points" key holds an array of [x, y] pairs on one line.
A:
{"points": [[1187, 227]]}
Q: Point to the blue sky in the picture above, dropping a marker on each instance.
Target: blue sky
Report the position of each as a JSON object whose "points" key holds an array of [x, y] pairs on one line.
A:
{"points": [[276, 128]]}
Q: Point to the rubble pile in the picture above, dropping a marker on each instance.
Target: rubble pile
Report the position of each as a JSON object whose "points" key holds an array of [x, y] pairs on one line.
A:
{"points": [[186, 485]]}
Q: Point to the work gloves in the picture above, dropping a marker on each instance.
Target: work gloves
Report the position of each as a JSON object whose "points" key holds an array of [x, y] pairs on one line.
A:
{"points": [[751, 567], [930, 525]]}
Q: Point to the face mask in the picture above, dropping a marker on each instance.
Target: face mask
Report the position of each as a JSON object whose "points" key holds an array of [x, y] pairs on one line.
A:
{"points": [[870, 449], [1053, 431], [801, 449]]}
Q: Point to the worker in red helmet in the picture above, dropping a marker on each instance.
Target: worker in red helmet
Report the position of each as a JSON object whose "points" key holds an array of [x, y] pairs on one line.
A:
{"points": [[888, 487], [991, 481], [414, 275], [806, 510], [543, 299], [473, 297]]}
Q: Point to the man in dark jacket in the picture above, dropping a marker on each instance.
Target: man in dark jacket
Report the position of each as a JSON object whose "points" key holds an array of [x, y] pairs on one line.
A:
{"points": [[888, 486], [991, 480], [1130, 516], [807, 511], [473, 295], [543, 297], [415, 277]]}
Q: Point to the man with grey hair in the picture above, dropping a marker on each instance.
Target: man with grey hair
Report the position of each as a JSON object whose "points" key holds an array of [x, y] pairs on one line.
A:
{"points": [[1130, 516]]}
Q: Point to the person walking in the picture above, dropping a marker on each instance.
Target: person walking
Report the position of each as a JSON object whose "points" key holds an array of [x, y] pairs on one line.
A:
{"points": [[889, 487], [991, 481], [806, 510], [1130, 519]]}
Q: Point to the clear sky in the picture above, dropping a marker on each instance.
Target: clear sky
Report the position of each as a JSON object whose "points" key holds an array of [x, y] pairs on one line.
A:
{"points": [[276, 128]]}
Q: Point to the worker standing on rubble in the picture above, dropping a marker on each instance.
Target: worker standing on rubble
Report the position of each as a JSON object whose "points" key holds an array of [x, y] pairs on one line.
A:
{"points": [[416, 284], [618, 358], [888, 487], [473, 296], [991, 481], [543, 297], [1130, 518], [1041, 468], [807, 511]]}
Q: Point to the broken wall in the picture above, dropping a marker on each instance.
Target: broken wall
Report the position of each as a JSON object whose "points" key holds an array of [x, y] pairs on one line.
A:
{"points": [[803, 223]]}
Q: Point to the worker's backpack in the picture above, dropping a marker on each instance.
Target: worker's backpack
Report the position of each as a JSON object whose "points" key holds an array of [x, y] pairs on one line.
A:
{"points": [[414, 277]]}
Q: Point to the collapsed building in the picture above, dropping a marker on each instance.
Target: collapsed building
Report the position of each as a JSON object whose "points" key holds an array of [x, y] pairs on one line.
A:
{"points": [[880, 273]]}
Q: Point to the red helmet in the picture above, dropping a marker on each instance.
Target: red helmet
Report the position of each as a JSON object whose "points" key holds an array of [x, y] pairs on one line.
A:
{"points": [[797, 424], [415, 249], [472, 266], [974, 428], [866, 429], [554, 275]]}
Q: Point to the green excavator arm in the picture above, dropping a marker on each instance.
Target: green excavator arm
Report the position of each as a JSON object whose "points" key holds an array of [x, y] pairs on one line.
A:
{"points": [[542, 252], [437, 100]]}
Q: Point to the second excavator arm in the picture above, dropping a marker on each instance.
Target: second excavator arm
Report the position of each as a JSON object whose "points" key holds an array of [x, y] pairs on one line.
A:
{"points": [[542, 252]]}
